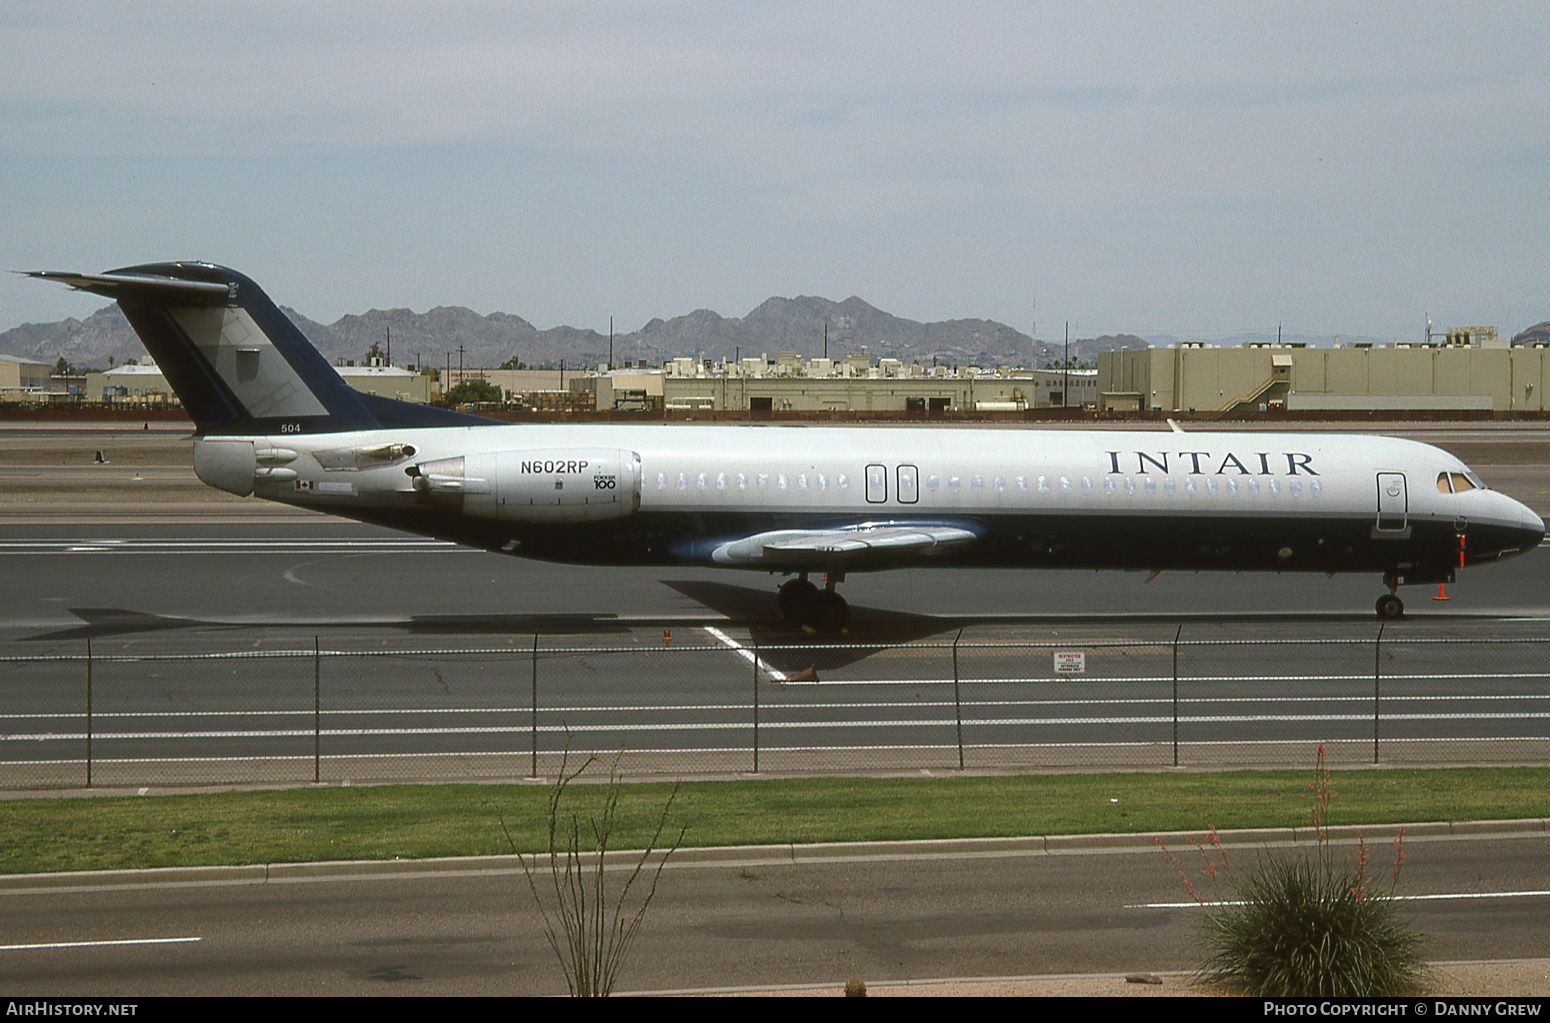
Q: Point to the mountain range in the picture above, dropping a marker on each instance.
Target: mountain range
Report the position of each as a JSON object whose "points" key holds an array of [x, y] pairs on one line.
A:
{"points": [[433, 338]]}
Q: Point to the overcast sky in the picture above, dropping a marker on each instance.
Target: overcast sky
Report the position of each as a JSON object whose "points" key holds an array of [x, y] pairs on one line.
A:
{"points": [[1193, 169]]}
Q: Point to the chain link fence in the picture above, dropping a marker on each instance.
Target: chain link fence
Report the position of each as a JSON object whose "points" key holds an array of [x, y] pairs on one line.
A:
{"points": [[145, 714]]}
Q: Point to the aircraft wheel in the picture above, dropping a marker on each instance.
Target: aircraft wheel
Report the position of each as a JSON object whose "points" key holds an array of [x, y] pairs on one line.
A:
{"points": [[1390, 606], [830, 612], [796, 600]]}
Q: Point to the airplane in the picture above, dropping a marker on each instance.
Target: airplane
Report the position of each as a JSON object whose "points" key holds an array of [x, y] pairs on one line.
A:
{"points": [[274, 420]]}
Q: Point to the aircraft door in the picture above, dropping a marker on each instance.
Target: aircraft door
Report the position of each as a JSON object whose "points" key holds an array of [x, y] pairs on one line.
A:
{"points": [[909, 488], [1393, 504], [876, 484]]}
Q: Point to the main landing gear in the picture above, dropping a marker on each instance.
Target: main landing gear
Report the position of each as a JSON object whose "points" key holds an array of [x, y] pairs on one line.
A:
{"points": [[1389, 605], [804, 604]]}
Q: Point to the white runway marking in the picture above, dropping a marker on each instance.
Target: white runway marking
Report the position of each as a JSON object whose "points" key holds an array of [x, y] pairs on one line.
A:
{"points": [[212, 546], [744, 653], [1532, 894], [98, 944]]}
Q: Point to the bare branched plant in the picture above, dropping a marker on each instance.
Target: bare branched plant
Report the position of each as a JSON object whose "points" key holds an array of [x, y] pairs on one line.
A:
{"points": [[590, 928]]}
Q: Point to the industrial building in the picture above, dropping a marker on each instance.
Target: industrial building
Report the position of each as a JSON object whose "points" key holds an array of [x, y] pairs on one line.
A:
{"points": [[791, 383], [144, 384], [389, 382], [1469, 371], [22, 379], [137, 384]]}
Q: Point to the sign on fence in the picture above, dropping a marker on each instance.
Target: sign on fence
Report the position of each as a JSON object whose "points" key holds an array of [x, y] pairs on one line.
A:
{"points": [[1070, 662]]}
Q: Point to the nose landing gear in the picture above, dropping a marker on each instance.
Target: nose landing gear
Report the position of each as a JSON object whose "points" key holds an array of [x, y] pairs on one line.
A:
{"points": [[1389, 605], [804, 604]]}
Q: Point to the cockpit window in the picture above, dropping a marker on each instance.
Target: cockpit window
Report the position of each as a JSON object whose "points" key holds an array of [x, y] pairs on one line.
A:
{"points": [[1458, 482]]}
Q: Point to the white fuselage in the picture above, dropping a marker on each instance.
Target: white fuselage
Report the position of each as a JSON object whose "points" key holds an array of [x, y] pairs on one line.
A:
{"points": [[728, 480]]}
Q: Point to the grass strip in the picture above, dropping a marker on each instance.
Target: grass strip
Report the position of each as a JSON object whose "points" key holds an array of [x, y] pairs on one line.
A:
{"points": [[419, 821]]}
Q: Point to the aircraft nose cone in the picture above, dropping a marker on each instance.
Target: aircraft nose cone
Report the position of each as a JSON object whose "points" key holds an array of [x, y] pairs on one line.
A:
{"points": [[1533, 529]]}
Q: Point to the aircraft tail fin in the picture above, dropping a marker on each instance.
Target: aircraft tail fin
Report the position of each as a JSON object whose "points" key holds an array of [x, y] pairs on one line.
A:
{"points": [[237, 363]]}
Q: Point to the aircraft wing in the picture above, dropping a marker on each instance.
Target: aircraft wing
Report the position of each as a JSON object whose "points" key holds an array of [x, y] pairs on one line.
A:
{"points": [[872, 543]]}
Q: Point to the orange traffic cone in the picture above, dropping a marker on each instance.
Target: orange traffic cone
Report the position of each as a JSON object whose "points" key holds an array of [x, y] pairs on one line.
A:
{"points": [[1442, 592]]}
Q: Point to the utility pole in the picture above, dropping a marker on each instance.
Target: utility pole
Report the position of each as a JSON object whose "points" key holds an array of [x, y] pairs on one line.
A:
{"points": [[610, 342], [1065, 370], [1033, 334]]}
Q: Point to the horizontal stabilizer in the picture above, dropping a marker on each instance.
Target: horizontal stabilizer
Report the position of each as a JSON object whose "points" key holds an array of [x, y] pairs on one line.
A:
{"points": [[117, 286]]}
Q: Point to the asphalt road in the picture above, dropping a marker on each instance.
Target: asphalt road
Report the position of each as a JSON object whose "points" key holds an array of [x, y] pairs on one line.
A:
{"points": [[752, 918]]}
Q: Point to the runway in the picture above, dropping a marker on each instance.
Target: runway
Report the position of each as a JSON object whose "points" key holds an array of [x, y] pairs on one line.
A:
{"points": [[329, 573], [329, 651]]}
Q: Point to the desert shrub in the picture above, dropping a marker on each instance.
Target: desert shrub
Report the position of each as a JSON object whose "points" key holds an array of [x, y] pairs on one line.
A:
{"points": [[1306, 922]]}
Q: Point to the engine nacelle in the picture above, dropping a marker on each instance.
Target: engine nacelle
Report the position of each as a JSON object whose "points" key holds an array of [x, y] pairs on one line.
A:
{"points": [[549, 485]]}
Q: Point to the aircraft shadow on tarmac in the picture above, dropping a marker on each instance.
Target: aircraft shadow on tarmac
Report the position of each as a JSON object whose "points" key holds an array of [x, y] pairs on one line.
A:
{"points": [[789, 647], [733, 606]]}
